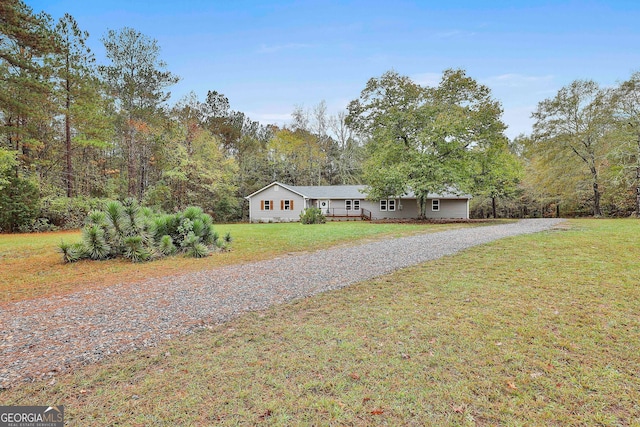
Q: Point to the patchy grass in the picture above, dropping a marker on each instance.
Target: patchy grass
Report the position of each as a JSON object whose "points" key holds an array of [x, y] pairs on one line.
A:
{"points": [[31, 265], [533, 330]]}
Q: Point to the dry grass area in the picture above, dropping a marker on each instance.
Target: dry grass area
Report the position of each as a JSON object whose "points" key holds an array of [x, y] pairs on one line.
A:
{"points": [[32, 267], [534, 330]]}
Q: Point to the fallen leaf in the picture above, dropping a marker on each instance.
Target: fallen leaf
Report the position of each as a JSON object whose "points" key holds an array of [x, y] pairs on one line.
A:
{"points": [[459, 409], [432, 341], [512, 385], [366, 399], [406, 356], [377, 412], [354, 376]]}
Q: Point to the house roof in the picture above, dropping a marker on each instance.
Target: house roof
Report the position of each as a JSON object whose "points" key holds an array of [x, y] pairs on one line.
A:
{"points": [[329, 191], [346, 192]]}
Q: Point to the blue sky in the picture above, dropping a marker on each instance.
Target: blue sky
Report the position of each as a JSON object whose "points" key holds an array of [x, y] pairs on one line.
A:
{"points": [[269, 56]]}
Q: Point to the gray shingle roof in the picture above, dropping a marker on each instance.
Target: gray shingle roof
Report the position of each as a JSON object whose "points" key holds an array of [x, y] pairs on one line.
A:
{"points": [[329, 191], [354, 192]]}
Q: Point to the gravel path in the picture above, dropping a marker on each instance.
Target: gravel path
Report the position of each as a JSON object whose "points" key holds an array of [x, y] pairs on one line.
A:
{"points": [[45, 336]]}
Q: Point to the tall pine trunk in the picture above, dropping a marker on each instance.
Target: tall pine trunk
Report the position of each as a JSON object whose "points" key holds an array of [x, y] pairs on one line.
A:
{"points": [[67, 134]]}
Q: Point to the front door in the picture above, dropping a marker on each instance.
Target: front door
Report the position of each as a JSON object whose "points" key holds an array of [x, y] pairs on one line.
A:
{"points": [[324, 206]]}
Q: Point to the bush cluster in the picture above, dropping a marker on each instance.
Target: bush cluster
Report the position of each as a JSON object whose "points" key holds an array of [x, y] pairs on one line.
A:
{"points": [[312, 216], [68, 213], [139, 234]]}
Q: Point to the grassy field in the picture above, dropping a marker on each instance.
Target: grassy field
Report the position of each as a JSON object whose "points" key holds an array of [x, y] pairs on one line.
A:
{"points": [[32, 267], [534, 330]]}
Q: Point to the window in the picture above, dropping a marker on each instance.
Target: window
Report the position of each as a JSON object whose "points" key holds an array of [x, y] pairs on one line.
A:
{"points": [[352, 205], [266, 205], [286, 205], [435, 205], [383, 205], [391, 204]]}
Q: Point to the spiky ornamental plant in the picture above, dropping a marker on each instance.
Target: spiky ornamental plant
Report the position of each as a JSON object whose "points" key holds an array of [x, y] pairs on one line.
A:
{"points": [[192, 212], [98, 218], [158, 227], [95, 245], [166, 246], [215, 238], [208, 231], [194, 247], [131, 209], [117, 225], [72, 252], [135, 250]]}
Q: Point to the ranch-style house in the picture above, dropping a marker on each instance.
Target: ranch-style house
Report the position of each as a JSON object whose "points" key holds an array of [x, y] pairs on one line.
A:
{"points": [[279, 202]]}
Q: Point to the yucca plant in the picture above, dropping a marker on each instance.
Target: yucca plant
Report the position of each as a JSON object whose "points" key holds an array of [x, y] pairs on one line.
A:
{"points": [[98, 218], [135, 250], [71, 252], [199, 250], [198, 227], [126, 229], [194, 247], [192, 212], [131, 210], [166, 246], [95, 244], [117, 225], [160, 227], [215, 238]]}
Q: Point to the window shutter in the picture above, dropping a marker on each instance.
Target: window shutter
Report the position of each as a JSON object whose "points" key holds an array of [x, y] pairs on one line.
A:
{"points": [[281, 205], [272, 206], [291, 204], [261, 205]]}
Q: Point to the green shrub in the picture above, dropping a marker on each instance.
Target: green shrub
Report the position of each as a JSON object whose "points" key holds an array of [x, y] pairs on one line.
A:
{"points": [[69, 213], [130, 231], [312, 216], [19, 204]]}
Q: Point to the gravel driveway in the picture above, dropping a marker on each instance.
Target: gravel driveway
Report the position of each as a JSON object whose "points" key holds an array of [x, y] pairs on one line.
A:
{"points": [[43, 337]]}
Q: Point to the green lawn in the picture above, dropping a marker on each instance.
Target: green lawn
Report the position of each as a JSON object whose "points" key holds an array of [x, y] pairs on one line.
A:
{"points": [[534, 330]]}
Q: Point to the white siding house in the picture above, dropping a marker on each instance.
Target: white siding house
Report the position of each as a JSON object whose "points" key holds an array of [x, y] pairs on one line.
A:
{"points": [[278, 202]]}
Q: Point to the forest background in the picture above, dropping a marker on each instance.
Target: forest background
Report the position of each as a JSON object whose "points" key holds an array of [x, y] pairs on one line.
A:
{"points": [[74, 133]]}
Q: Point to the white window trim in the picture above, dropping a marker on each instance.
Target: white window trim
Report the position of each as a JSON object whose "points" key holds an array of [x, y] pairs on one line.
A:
{"points": [[435, 205], [267, 205], [391, 205], [286, 205], [383, 208], [352, 205]]}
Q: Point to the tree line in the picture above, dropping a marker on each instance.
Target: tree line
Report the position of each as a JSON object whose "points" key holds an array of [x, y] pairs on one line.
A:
{"points": [[74, 132]]}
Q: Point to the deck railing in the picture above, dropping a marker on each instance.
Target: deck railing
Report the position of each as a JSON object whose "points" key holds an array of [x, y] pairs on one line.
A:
{"points": [[363, 214]]}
